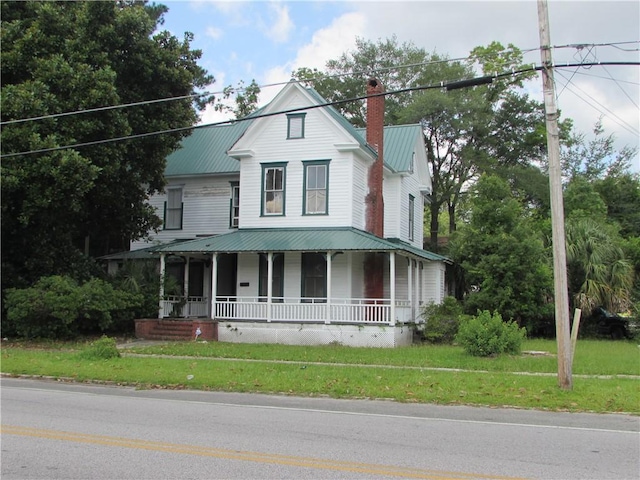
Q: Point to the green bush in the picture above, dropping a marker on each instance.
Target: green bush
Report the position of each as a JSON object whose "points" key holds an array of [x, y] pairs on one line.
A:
{"points": [[58, 307], [102, 349], [485, 334], [442, 321]]}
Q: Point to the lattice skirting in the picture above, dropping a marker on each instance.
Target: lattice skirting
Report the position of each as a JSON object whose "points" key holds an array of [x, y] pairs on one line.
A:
{"points": [[315, 334]]}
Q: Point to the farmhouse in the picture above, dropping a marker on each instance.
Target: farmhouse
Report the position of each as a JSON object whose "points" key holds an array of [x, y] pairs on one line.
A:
{"points": [[294, 227]]}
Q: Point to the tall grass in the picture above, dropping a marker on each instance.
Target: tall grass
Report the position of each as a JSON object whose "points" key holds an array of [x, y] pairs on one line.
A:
{"points": [[592, 357], [404, 374]]}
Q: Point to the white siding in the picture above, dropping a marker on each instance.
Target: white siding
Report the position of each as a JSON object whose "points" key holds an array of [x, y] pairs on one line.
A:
{"points": [[359, 192], [247, 273], [206, 208], [433, 278], [393, 207], [267, 139]]}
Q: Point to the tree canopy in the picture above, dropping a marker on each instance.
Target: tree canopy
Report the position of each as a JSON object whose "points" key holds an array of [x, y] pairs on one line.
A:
{"points": [[63, 57], [467, 131]]}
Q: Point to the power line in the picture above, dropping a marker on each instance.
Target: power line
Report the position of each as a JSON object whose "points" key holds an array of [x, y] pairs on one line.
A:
{"points": [[611, 115], [447, 86], [310, 80]]}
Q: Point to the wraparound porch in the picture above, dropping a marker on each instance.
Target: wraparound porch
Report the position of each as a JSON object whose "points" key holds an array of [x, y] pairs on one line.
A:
{"points": [[294, 310]]}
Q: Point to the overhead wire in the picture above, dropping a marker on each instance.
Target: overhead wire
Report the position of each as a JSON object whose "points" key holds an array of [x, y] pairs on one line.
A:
{"points": [[622, 123], [447, 86], [275, 84]]}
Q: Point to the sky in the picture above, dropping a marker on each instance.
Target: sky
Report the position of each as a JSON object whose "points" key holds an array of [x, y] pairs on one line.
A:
{"points": [[268, 40]]}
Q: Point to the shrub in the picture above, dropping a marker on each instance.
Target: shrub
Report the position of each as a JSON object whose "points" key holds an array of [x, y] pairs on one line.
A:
{"points": [[58, 307], [442, 321], [485, 334], [102, 349]]}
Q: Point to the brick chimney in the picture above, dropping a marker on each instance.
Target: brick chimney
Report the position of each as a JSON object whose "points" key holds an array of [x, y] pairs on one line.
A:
{"points": [[374, 262], [375, 137]]}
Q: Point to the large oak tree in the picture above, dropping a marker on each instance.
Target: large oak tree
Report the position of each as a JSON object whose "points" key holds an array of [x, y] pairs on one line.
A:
{"points": [[60, 205]]}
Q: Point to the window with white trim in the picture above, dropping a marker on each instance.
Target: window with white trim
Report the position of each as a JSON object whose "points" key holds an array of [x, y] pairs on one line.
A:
{"points": [[316, 187], [295, 125], [273, 182], [235, 205], [173, 209], [412, 211]]}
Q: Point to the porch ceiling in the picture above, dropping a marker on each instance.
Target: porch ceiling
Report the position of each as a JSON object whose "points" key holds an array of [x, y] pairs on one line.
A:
{"points": [[295, 239]]}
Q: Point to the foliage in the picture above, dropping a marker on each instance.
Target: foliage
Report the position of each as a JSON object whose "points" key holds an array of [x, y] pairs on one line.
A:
{"points": [[246, 99], [598, 272], [60, 57], [442, 321], [486, 334], [597, 158], [59, 307], [102, 349], [142, 278], [345, 77], [467, 131], [505, 263]]}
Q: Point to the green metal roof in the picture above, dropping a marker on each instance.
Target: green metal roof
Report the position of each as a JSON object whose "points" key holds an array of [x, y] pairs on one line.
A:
{"points": [[399, 142], [205, 151], [294, 240]]}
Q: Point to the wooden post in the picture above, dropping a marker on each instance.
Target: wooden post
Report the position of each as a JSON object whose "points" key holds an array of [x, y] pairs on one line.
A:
{"points": [[162, 274], [574, 332], [557, 209]]}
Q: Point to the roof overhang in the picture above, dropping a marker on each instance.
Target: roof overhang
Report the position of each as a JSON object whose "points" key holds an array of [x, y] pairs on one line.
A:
{"points": [[260, 240]]}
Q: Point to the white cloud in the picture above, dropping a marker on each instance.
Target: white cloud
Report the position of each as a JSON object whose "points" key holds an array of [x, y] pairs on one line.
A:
{"points": [[214, 32], [282, 25], [326, 44]]}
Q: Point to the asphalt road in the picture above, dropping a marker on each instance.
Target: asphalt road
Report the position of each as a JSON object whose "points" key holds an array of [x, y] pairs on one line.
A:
{"points": [[53, 430]]}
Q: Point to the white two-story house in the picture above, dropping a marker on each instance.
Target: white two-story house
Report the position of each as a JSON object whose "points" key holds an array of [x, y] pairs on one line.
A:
{"points": [[295, 227]]}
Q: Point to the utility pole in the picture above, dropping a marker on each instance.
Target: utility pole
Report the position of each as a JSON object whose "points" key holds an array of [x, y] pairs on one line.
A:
{"points": [[557, 207]]}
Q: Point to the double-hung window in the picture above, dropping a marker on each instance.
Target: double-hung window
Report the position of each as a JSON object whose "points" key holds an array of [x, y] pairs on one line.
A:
{"points": [[314, 278], [235, 204], [273, 183], [316, 187], [173, 209], [295, 125], [412, 212]]}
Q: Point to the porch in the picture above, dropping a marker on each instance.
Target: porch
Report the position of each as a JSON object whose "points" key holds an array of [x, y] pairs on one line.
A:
{"points": [[294, 310]]}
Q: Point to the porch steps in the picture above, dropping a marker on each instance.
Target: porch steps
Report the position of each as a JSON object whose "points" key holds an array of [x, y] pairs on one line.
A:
{"points": [[171, 330]]}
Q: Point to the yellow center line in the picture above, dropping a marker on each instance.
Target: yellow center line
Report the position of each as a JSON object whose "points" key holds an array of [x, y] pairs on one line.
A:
{"points": [[288, 460]]}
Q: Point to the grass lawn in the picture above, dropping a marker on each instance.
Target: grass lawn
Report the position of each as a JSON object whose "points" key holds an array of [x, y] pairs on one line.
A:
{"points": [[408, 374]]}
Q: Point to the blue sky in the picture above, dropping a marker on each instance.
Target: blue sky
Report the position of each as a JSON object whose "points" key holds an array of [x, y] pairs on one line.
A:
{"points": [[267, 40]]}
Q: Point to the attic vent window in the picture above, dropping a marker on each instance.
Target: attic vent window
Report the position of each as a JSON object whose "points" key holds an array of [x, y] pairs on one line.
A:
{"points": [[295, 125]]}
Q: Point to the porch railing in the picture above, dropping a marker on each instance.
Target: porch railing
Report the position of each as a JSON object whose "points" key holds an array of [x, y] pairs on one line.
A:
{"points": [[349, 310], [176, 306]]}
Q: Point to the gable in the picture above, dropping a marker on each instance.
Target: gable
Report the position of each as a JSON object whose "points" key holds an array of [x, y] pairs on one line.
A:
{"points": [[291, 100]]}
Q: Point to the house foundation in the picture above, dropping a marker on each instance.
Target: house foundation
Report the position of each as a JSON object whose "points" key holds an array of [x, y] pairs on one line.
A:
{"points": [[382, 336]]}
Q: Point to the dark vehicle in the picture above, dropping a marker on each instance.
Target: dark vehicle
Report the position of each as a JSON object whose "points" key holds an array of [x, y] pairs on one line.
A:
{"points": [[611, 325]]}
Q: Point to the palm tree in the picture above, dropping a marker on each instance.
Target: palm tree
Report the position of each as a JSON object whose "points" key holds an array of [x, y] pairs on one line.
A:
{"points": [[598, 272]]}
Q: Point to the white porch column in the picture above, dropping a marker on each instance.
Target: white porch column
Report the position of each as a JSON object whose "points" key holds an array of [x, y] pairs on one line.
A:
{"points": [[420, 284], [410, 283], [392, 286], [269, 284], [162, 273], [328, 317], [415, 302], [186, 289], [214, 284]]}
